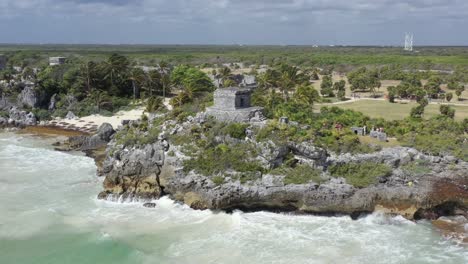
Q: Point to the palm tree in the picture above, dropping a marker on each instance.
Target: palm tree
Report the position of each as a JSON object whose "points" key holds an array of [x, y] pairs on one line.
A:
{"points": [[153, 81], [116, 66], [166, 84], [98, 98], [164, 67], [289, 78], [267, 80], [137, 76], [88, 75], [224, 74]]}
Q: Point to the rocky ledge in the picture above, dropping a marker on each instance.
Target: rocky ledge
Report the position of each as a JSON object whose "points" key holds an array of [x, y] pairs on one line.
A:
{"points": [[152, 170], [18, 118]]}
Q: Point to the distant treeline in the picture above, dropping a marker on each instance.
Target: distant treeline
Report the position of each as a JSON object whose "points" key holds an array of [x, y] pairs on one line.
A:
{"points": [[343, 58]]}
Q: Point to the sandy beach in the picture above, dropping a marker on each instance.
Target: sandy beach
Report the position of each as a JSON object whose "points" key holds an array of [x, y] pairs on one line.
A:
{"points": [[90, 124]]}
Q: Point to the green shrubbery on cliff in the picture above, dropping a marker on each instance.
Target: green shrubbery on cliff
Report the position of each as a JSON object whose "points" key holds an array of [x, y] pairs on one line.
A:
{"points": [[140, 134], [416, 168], [360, 174], [220, 158], [300, 174]]}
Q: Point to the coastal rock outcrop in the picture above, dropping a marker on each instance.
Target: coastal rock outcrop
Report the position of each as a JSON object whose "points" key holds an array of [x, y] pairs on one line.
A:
{"points": [[20, 118], [133, 172], [418, 185], [96, 141], [334, 196]]}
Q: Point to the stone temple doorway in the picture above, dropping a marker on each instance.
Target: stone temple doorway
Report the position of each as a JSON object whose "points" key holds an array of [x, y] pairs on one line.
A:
{"points": [[242, 102]]}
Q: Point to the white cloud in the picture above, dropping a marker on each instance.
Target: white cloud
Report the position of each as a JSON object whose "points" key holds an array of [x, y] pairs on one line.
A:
{"points": [[215, 19]]}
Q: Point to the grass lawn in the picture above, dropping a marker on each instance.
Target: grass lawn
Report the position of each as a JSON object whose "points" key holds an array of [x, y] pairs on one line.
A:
{"points": [[397, 111], [391, 142]]}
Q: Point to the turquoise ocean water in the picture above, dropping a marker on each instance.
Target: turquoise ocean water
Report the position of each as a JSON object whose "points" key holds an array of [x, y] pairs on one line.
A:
{"points": [[49, 214]]}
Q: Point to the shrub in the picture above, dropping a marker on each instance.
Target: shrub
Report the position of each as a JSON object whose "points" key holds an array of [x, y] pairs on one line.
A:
{"points": [[60, 113], [42, 114], [360, 174], [135, 136], [343, 142], [4, 113], [218, 159], [247, 176], [300, 174], [218, 180], [446, 110], [236, 130], [416, 168], [417, 111], [154, 104]]}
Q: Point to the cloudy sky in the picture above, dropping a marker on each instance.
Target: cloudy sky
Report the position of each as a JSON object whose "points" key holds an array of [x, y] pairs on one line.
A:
{"points": [[339, 22]]}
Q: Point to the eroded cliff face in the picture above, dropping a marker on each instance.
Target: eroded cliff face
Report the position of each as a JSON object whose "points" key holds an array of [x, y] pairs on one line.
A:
{"points": [[151, 170], [429, 196], [133, 173]]}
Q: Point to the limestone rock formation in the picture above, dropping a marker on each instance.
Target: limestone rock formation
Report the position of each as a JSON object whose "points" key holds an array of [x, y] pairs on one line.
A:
{"points": [[134, 172], [70, 115], [20, 118], [149, 171], [53, 102], [30, 97], [98, 140]]}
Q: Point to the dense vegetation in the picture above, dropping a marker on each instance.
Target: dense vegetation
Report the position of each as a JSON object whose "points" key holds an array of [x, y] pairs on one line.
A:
{"points": [[87, 87], [342, 58], [106, 79]]}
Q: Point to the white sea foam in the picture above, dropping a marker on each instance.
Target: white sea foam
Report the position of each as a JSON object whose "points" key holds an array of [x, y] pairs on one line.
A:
{"points": [[46, 193]]}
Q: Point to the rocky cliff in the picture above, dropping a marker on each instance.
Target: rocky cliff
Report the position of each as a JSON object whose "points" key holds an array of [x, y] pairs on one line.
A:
{"points": [[436, 187]]}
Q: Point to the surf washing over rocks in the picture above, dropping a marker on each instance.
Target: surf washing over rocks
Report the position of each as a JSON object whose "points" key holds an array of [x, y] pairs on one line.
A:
{"points": [[58, 190]]}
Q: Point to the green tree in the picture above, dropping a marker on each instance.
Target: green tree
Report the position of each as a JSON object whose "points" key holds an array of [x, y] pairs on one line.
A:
{"points": [[191, 81], [98, 97], [446, 110], [88, 75], [432, 88], [417, 111], [268, 79], [326, 87], [340, 89], [116, 68], [152, 82], [225, 74], [306, 94], [448, 97], [392, 92], [289, 78], [363, 79], [165, 80], [137, 77]]}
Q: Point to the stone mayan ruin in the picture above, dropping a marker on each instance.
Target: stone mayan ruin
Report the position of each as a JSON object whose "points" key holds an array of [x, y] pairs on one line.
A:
{"points": [[233, 105]]}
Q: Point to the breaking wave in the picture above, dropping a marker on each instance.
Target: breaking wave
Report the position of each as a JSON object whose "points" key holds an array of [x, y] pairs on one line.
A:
{"points": [[49, 209]]}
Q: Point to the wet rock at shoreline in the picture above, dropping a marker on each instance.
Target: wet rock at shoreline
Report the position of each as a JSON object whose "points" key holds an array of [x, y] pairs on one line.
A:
{"points": [[149, 205], [96, 141]]}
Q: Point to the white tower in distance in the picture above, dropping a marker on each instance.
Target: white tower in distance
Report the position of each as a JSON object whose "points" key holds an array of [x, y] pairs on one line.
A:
{"points": [[409, 42]]}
